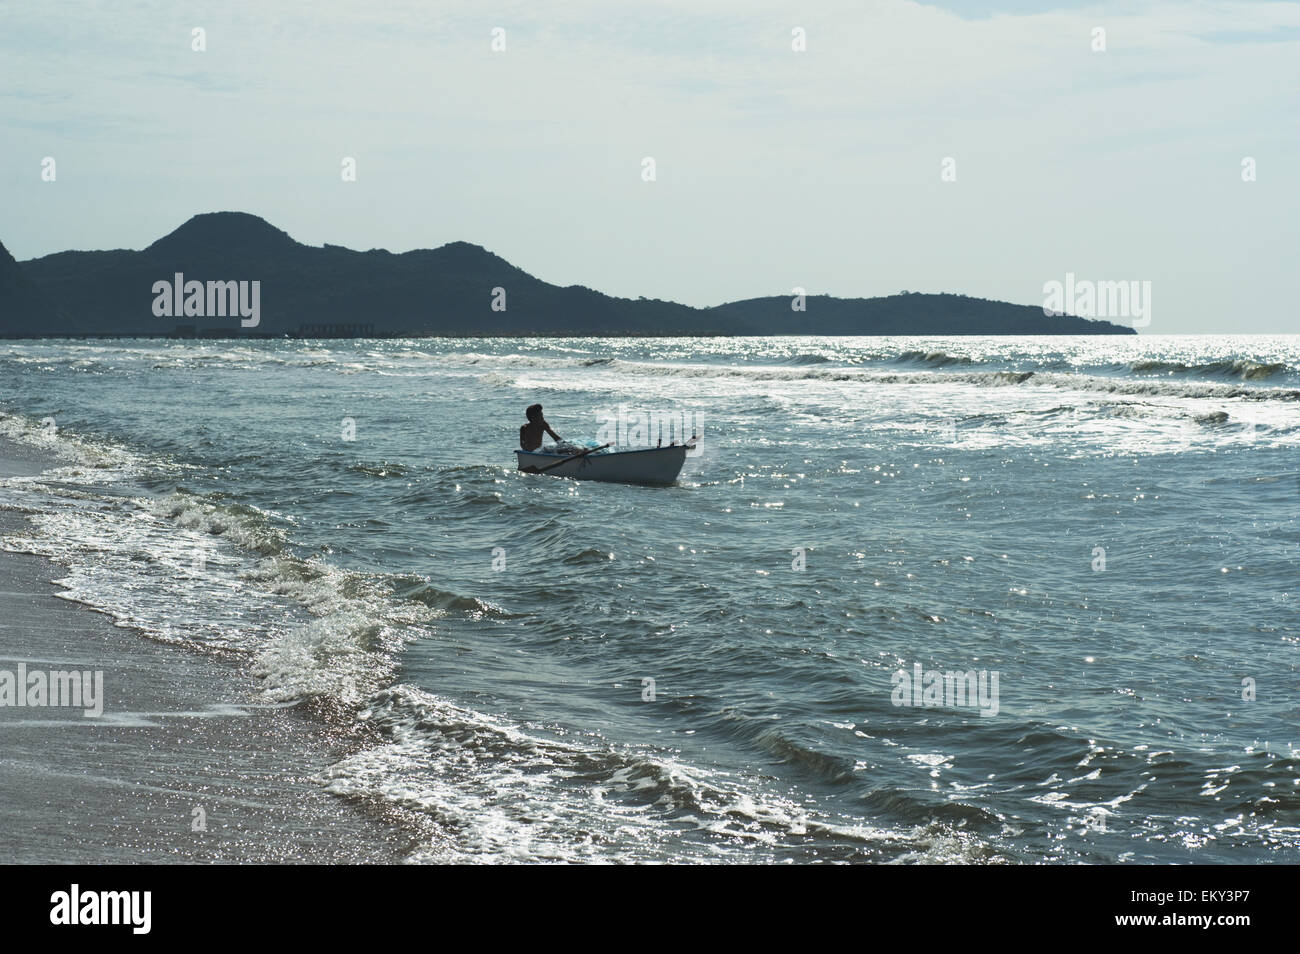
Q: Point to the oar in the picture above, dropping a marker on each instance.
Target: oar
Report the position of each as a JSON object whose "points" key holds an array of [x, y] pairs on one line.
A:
{"points": [[590, 450]]}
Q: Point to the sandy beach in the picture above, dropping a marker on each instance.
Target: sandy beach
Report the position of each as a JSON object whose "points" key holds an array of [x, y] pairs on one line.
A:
{"points": [[184, 765]]}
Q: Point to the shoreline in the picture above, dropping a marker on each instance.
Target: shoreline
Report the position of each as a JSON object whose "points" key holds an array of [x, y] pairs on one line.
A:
{"points": [[185, 765]]}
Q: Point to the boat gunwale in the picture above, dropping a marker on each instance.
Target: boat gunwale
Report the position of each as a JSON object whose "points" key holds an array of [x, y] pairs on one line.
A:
{"points": [[593, 456]]}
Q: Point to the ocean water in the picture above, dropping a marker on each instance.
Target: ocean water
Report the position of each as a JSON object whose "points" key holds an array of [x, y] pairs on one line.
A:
{"points": [[1102, 529]]}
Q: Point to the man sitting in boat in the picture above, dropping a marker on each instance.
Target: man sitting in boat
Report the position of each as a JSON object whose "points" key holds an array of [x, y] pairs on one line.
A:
{"points": [[530, 435]]}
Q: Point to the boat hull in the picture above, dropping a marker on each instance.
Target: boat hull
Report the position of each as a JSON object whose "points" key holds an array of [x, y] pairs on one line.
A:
{"points": [[655, 465]]}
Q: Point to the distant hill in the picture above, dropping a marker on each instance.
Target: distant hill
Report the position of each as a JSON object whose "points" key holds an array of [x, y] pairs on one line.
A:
{"points": [[23, 307], [333, 291]]}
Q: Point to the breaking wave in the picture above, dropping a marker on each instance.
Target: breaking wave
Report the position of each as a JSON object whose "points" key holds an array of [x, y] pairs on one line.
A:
{"points": [[1241, 369]]}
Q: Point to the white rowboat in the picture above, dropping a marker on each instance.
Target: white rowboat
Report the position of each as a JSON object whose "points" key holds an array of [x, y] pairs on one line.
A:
{"points": [[654, 465]]}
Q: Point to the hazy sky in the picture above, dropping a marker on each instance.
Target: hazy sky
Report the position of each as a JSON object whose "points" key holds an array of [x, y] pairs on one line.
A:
{"points": [[775, 168]]}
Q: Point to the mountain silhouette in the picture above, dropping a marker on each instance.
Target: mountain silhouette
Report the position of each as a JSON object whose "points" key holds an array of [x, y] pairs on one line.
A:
{"points": [[331, 291], [223, 233], [23, 306]]}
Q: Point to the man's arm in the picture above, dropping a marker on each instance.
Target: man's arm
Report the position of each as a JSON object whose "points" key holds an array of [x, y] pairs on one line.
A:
{"points": [[551, 432]]}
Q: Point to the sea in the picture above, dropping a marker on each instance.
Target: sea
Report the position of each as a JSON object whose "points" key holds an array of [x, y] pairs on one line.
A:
{"points": [[913, 600]]}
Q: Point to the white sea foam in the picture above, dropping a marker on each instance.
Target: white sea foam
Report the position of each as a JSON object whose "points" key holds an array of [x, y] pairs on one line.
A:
{"points": [[512, 794]]}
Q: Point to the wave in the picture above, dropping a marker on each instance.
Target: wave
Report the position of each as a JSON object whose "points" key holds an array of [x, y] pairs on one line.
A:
{"points": [[1064, 381], [1167, 388], [244, 526], [946, 367], [422, 591], [84, 460], [212, 574], [815, 366], [510, 794], [382, 469], [940, 359], [1241, 368], [499, 370]]}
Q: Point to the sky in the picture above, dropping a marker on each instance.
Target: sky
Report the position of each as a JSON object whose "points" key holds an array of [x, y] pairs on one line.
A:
{"points": [[775, 168]]}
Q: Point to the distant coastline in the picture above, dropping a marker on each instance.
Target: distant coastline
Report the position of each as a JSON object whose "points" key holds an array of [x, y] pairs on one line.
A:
{"points": [[233, 275]]}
